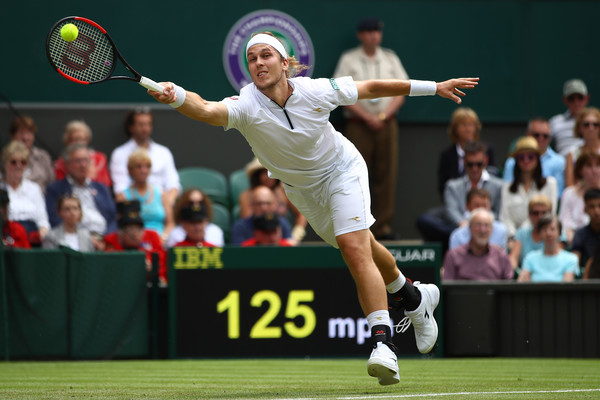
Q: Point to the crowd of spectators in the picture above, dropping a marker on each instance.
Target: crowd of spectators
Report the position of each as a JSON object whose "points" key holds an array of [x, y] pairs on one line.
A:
{"points": [[549, 202]]}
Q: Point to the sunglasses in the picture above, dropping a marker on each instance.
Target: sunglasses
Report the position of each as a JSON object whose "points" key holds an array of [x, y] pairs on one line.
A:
{"points": [[575, 97], [544, 136], [537, 213], [474, 164], [590, 124], [526, 157], [19, 162]]}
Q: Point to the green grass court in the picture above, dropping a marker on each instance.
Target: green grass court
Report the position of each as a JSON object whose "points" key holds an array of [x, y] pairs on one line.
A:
{"points": [[476, 379]]}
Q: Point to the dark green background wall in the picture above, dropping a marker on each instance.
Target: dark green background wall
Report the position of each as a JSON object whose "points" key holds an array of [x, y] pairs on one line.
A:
{"points": [[522, 50]]}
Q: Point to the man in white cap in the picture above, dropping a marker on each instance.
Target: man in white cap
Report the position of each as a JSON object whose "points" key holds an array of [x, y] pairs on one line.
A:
{"points": [[576, 98], [285, 119]]}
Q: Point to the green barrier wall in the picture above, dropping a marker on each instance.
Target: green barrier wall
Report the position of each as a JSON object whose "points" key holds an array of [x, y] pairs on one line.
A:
{"points": [[62, 304], [522, 49]]}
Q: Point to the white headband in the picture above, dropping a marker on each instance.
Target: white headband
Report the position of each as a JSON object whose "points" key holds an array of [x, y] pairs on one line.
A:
{"points": [[267, 39]]}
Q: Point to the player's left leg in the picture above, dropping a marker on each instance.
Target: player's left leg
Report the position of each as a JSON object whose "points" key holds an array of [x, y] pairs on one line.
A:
{"points": [[418, 301]]}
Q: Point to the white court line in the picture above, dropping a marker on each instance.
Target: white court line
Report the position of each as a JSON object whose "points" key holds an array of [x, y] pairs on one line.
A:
{"points": [[406, 396]]}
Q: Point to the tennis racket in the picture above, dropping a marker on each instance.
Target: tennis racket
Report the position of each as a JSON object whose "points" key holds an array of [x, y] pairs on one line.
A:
{"points": [[91, 57]]}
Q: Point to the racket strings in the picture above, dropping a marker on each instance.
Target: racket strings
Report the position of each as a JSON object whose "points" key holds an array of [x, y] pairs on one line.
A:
{"points": [[89, 58]]}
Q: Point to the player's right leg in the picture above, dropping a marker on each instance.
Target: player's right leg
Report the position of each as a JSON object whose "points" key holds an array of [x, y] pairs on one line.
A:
{"points": [[417, 301]]}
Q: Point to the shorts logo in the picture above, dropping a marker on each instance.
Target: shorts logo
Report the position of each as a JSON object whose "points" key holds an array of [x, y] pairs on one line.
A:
{"points": [[293, 35], [334, 84]]}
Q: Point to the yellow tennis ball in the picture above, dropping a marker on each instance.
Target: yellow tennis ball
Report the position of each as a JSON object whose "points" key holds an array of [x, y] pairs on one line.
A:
{"points": [[69, 32]]}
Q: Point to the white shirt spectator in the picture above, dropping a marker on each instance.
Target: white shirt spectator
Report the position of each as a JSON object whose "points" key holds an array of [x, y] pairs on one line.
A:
{"points": [[213, 235], [27, 203], [163, 174], [561, 129]]}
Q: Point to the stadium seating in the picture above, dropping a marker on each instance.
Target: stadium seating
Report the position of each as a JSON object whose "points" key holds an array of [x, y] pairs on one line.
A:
{"points": [[210, 181]]}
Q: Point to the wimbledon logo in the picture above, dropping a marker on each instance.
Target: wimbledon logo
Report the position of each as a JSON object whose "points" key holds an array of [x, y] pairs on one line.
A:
{"points": [[289, 31]]}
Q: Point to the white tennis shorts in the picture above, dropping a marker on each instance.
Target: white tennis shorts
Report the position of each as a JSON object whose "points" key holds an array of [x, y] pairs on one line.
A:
{"points": [[341, 204]]}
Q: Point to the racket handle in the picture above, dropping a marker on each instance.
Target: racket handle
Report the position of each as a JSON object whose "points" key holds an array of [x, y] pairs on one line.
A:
{"points": [[150, 84]]}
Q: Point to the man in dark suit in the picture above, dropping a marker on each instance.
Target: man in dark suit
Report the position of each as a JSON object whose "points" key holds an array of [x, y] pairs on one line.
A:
{"points": [[438, 224], [97, 205]]}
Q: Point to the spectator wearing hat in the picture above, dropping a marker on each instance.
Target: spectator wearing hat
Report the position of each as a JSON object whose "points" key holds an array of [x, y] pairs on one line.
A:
{"points": [[553, 164], [587, 127], [576, 98], [259, 175], [267, 232], [371, 124], [97, 204], [212, 232], [263, 202], [39, 163], [13, 233], [194, 220], [131, 235], [527, 182]]}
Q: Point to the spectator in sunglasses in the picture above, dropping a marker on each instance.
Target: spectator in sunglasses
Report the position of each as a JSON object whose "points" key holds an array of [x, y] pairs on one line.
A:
{"points": [[587, 127], [553, 164], [437, 224], [527, 182], [576, 98]]}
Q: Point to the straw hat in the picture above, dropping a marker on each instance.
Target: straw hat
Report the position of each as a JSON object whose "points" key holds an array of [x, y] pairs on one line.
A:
{"points": [[526, 144]]}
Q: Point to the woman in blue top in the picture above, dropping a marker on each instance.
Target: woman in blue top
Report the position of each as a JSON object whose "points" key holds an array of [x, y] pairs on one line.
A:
{"points": [[155, 212]]}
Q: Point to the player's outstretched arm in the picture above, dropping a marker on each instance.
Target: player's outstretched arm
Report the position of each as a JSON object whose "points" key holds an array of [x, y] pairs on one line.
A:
{"points": [[450, 89], [194, 106]]}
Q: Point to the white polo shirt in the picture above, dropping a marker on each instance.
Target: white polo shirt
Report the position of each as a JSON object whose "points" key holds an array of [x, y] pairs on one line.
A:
{"points": [[163, 173], [296, 143]]}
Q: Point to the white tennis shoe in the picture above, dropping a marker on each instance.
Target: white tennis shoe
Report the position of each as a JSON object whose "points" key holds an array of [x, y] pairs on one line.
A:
{"points": [[426, 329], [383, 364]]}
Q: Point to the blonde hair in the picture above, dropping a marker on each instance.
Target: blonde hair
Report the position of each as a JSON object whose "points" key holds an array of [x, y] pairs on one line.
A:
{"points": [[579, 120], [458, 116], [138, 155], [540, 200], [74, 126], [13, 148], [294, 66]]}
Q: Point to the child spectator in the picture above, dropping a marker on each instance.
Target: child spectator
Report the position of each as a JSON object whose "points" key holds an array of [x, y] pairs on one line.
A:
{"points": [[68, 233], [552, 263], [585, 239]]}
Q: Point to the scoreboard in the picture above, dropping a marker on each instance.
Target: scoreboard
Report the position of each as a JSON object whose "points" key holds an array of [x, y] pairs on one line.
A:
{"points": [[278, 302]]}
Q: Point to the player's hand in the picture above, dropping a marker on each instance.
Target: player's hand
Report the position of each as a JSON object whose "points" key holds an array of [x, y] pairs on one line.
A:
{"points": [[168, 96], [450, 89]]}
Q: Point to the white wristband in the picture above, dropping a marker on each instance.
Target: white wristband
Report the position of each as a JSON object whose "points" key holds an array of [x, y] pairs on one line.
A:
{"points": [[179, 96], [422, 88]]}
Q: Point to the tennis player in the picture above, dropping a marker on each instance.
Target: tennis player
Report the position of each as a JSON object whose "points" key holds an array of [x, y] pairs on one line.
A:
{"points": [[285, 119]]}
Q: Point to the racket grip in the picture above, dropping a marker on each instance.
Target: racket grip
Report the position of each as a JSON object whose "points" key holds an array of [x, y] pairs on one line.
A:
{"points": [[150, 84]]}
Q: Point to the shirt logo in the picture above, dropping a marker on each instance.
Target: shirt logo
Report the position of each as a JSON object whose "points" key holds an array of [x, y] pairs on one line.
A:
{"points": [[318, 109], [334, 84], [357, 219]]}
